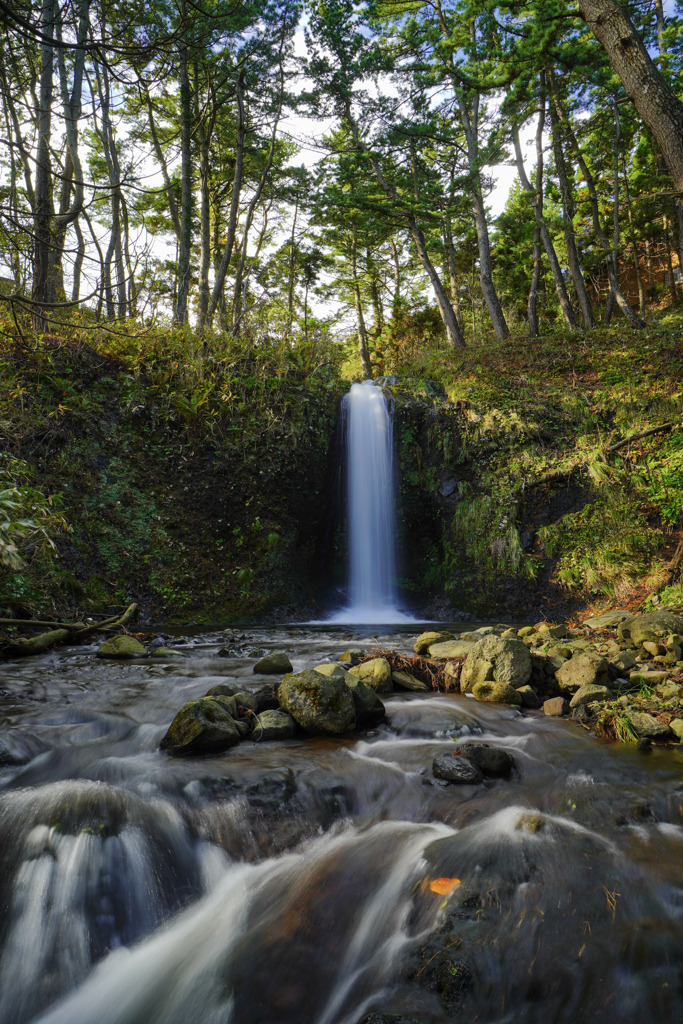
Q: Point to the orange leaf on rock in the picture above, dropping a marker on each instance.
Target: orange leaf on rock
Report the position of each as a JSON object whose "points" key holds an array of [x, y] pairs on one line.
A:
{"points": [[444, 886]]}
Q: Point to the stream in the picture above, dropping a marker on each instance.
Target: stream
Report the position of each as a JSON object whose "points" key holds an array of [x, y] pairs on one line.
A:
{"points": [[290, 882]]}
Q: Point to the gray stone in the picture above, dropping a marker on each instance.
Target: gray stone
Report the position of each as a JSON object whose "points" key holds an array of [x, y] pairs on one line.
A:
{"points": [[588, 668], [168, 652], [647, 677], [668, 690], [247, 701], [614, 618], [676, 726], [202, 726], [376, 673], [452, 768], [492, 762], [274, 725], [331, 671], [275, 664], [121, 647], [590, 692], [223, 690], [556, 707], [553, 632], [623, 661], [493, 659], [320, 706], [405, 681], [647, 726], [424, 641]]}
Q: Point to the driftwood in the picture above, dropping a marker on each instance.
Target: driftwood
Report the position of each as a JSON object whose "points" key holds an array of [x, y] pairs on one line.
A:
{"points": [[427, 671], [46, 641]]}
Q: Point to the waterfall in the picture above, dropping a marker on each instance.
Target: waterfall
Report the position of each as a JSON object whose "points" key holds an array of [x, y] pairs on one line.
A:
{"points": [[369, 455]]}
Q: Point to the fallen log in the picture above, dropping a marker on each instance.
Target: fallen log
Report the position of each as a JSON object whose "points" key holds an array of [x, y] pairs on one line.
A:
{"points": [[46, 641]]}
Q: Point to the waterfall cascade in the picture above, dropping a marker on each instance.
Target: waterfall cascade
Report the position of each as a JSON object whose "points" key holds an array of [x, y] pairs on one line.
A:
{"points": [[371, 499]]}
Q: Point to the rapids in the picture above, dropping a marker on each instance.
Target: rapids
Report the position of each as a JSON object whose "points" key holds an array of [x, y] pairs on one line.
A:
{"points": [[289, 882]]}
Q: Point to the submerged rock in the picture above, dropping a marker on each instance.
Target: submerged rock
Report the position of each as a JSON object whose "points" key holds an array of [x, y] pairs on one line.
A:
{"points": [[493, 659], [453, 768], [319, 705], [376, 673], [274, 725], [121, 647], [275, 664], [203, 726]]}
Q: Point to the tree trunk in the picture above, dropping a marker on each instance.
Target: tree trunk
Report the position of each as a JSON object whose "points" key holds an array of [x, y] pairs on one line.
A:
{"points": [[185, 237], [222, 269], [647, 88], [633, 241], [360, 319], [42, 216], [532, 301], [600, 235], [204, 291]]}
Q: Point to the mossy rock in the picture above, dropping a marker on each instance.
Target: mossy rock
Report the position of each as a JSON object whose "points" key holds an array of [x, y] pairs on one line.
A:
{"points": [[496, 693], [425, 640], [493, 660], [275, 664], [406, 681], [274, 725], [121, 647], [368, 707], [376, 673], [202, 726], [320, 706]]}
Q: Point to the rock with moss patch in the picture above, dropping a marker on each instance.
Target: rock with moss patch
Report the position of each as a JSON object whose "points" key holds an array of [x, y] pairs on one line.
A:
{"points": [[530, 698], [586, 669], [376, 673], [623, 661], [425, 640], [168, 652], [331, 671], [202, 726], [369, 708], [648, 727], [319, 705], [651, 626], [274, 725], [589, 693], [406, 681], [121, 647], [275, 664], [452, 649], [493, 659], [496, 693], [676, 726]]}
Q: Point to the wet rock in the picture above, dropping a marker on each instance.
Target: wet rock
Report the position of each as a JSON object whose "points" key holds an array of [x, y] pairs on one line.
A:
{"points": [[388, 1018], [648, 726], [586, 669], [274, 725], [405, 681], [368, 707], [275, 664], [266, 700], [531, 822], [167, 652], [452, 980], [530, 698], [452, 649], [424, 641], [492, 762], [228, 704], [376, 673], [590, 692], [223, 690], [246, 702], [320, 706], [202, 726], [121, 647], [452, 768], [496, 693], [272, 790], [493, 659], [644, 745], [353, 655], [556, 707]]}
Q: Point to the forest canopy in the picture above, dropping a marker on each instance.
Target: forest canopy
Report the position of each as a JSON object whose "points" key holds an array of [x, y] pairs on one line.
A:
{"points": [[157, 164]]}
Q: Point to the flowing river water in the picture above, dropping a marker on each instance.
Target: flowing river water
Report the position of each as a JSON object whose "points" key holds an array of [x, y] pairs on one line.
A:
{"points": [[290, 882]]}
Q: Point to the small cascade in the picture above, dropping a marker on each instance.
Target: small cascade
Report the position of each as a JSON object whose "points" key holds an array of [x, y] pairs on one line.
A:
{"points": [[369, 454]]}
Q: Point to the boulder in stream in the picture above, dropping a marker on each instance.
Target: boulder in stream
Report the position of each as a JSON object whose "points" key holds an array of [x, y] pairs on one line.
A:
{"points": [[275, 664], [425, 640], [376, 673], [497, 693], [203, 726], [369, 708], [274, 725], [319, 705], [492, 762], [453, 768], [122, 646], [586, 669], [493, 659]]}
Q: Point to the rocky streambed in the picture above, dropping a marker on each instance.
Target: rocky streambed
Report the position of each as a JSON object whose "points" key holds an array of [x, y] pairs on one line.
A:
{"points": [[344, 869]]}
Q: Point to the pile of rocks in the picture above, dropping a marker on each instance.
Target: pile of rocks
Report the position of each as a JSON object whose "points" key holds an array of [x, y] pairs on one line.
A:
{"points": [[626, 665]]}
